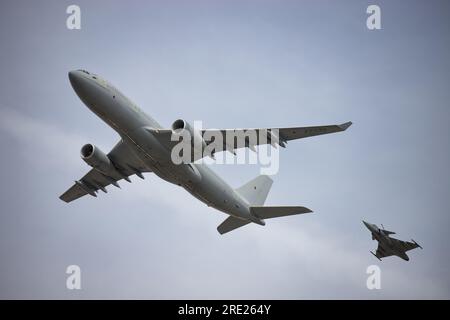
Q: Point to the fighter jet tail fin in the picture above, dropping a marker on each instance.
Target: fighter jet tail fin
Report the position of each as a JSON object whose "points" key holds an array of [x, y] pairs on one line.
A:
{"points": [[256, 190]]}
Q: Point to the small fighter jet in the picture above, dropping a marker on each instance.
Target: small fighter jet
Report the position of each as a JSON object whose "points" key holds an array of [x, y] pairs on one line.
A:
{"points": [[388, 246]]}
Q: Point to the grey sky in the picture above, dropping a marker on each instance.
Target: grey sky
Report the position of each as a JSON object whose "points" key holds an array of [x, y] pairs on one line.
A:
{"points": [[230, 64]]}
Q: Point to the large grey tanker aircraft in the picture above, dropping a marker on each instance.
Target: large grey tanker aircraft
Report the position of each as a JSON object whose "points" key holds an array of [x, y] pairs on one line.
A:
{"points": [[145, 146], [388, 246]]}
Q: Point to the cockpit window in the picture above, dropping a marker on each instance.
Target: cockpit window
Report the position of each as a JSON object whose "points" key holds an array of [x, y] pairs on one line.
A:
{"points": [[84, 71]]}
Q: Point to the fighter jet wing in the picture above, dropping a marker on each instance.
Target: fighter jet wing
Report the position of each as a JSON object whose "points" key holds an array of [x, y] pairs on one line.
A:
{"points": [[274, 136], [404, 245], [382, 252], [126, 163]]}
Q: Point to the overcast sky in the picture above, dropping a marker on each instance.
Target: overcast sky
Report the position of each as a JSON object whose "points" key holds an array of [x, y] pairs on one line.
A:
{"points": [[230, 64]]}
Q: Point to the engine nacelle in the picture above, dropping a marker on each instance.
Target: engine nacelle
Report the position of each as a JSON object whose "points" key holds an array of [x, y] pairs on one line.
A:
{"points": [[197, 140], [98, 160]]}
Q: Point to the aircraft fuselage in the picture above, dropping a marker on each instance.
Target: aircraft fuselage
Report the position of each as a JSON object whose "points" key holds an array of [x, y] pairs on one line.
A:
{"points": [[135, 128]]}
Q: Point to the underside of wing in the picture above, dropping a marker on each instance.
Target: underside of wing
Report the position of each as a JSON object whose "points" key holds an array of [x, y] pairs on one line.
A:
{"points": [[124, 163], [405, 245], [304, 132], [211, 141], [232, 139], [383, 252]]}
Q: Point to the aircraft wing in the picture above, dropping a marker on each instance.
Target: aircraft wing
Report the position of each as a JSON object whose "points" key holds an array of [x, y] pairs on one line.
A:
{"points": [[232, 139], [382, 252], [274, 135], [404, 245], [126, 163]]}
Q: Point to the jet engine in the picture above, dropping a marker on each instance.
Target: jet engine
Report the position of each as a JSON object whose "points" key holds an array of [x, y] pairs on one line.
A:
{"points": [[180, 126], [98, 160]]}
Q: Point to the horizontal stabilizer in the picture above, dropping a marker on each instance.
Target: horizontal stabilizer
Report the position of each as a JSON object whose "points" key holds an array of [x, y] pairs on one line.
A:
{"points": [[231, 223], [275, 212]]}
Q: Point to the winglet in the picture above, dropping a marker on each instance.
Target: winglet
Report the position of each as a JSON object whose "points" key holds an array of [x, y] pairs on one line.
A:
{"points": [[416, 244], [344, 126], [375, 255]]}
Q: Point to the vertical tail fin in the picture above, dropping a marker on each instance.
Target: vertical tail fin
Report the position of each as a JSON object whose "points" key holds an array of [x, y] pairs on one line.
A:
{"points": [[256, 190]]}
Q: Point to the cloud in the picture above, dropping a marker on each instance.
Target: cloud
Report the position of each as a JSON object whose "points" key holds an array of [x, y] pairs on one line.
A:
{"points": [[46, 140], [295, 256]]}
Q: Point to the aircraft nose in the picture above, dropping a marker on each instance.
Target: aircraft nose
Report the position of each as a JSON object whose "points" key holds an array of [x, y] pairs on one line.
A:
{"points": [[368, 226], [80, 83], [74, 77]]}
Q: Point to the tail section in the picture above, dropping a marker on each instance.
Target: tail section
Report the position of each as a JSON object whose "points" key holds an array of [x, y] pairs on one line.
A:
{"points": [[256, 190], [276, 212], [230, 224]]}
